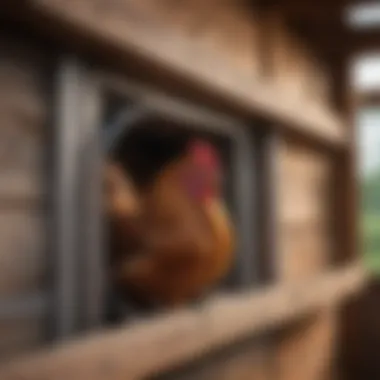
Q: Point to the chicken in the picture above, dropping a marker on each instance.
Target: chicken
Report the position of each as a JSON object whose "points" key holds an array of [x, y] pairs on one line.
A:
{"points": [[187, 243]]}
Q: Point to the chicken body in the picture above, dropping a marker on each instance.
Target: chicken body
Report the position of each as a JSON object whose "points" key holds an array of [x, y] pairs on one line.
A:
{"points": [[186, 242]]}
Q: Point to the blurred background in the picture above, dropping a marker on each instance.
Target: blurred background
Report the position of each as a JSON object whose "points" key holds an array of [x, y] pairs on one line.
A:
{"points": [[189, 189]]}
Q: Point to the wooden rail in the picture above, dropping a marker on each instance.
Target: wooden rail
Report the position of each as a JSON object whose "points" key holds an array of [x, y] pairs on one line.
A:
{"points": [[155, 345], [130, 38]]}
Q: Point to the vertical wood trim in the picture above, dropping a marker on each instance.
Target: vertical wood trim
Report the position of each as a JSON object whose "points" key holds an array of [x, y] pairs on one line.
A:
{"points": [[350, 319], [346, 171]]}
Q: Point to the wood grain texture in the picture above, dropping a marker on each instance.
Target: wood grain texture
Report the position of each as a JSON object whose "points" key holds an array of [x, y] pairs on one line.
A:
{"points": [[20, 336], [304, 217], [149, 347], [22, 252], [23, 114], [194, 59], [306, 349], [23, 233], [248, 359], [296, 70], [218, 41]]}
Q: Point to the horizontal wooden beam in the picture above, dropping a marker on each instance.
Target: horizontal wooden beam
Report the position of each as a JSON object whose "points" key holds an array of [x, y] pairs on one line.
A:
{"points": [[148, 347], [171, 56]]}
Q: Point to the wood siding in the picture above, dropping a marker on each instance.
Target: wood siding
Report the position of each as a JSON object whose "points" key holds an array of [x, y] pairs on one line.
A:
{"points": [[306, 350], [304, 220], [248, 360], [23, 229], [215, 49]]}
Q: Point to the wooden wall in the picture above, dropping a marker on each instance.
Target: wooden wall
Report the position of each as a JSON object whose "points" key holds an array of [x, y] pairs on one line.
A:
{"points": [[226, 47], [225, 34], [216, 43], [305, 350], [23, 234], [360, 336]]}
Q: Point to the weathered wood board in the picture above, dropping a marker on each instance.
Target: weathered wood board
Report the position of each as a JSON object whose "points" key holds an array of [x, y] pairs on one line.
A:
{"points": [[20, 336], [23, 233], [217, 39], [297, 71], [159, 345], [23, 114], [212, 48], [216, 43], [22, 252], [306, 350], [304, 207], [247, 360], [296, 68]]}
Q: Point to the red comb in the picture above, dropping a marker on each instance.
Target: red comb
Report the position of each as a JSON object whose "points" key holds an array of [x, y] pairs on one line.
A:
{"points": [[204, 153]]}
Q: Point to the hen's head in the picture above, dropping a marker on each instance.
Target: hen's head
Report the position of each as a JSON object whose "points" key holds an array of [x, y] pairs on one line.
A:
{"points": [[203, 178]]}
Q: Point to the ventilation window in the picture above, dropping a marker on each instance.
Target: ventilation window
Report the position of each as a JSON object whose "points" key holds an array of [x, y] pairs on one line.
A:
{"points": [[143, 132], [145, 137]]}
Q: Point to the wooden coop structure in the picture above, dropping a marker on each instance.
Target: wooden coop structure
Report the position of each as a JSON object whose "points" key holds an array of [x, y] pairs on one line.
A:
{"points": [[268, 76]]}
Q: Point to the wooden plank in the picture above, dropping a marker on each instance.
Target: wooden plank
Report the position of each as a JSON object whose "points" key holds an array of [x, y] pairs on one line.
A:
{"points": [[244, 360], [225, 29], [358, 324], [137, 351], [359, 340], [305, 214], [296, 68], [24, 69], [172, 53], [22, 252], [23, 119], [20, 336], [21, 192], [306, 349]]}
